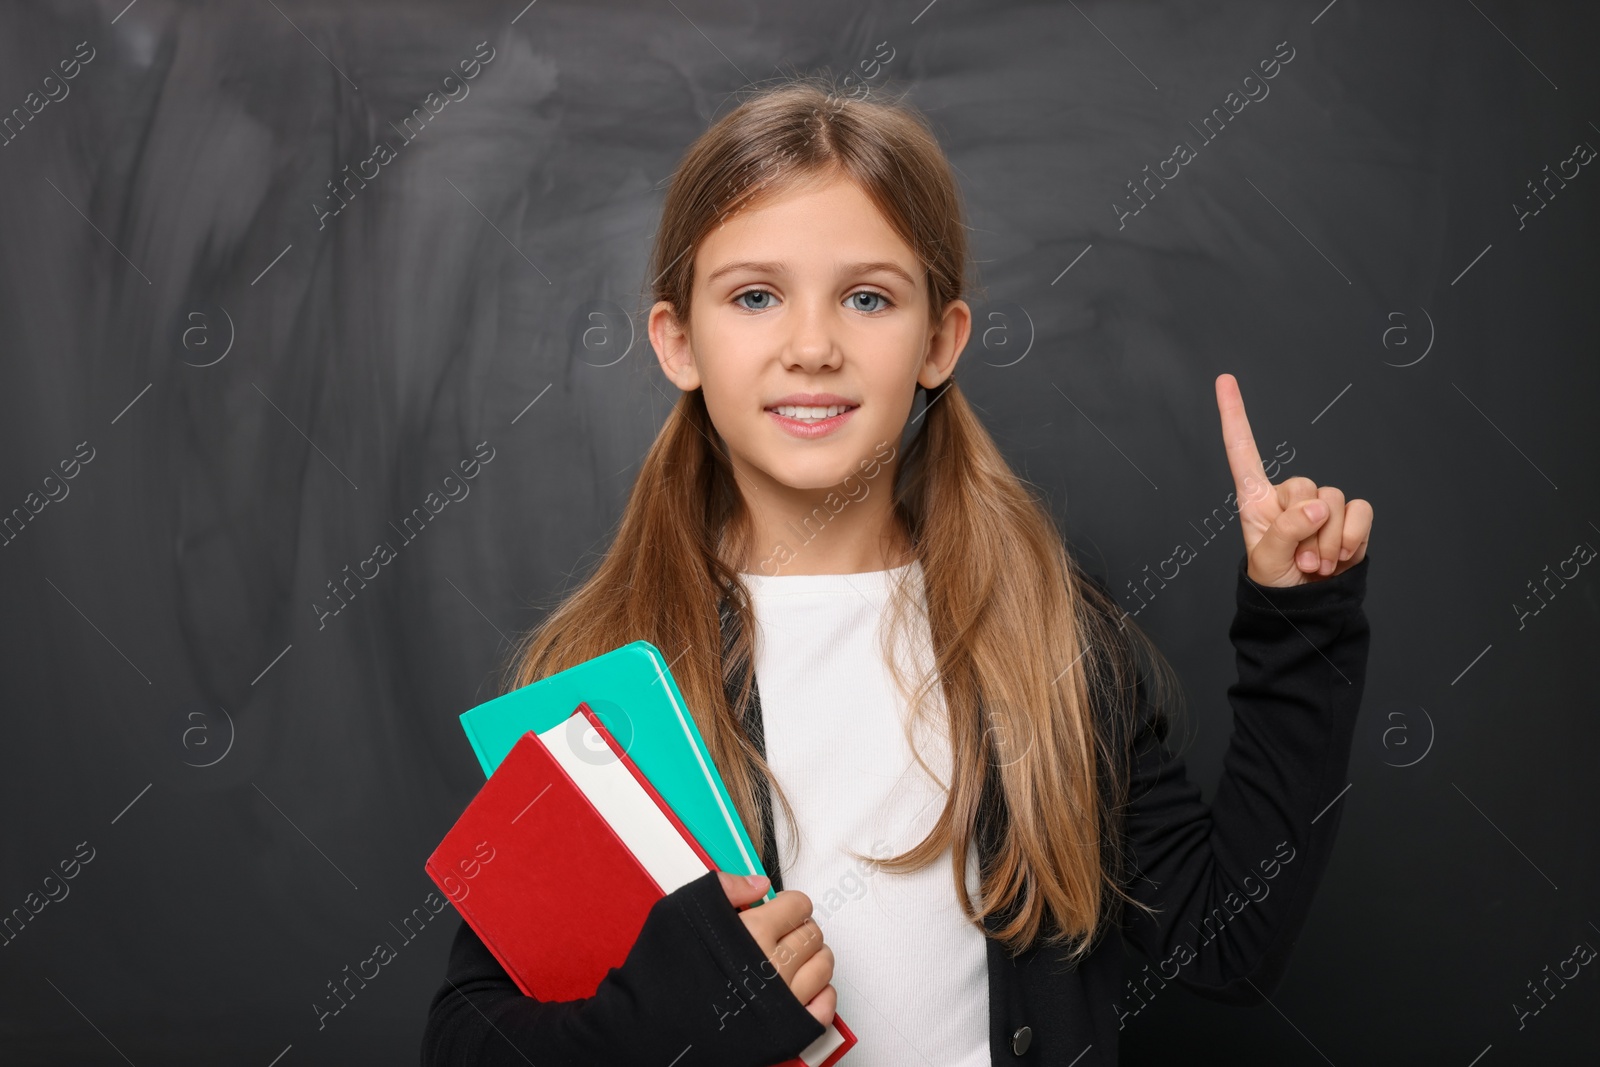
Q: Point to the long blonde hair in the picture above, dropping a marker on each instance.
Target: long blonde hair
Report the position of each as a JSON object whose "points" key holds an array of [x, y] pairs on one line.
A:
{"points": [[1035, 669]]}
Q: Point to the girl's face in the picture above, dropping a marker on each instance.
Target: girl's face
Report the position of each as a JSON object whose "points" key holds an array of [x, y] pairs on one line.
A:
{"points": [[808, 333]]}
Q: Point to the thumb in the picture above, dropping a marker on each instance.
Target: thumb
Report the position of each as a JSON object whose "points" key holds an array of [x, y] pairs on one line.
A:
{"points": [[741, 890], [1274, 553]]}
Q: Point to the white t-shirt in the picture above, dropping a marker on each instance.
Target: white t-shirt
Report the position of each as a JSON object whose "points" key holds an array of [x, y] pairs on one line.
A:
{"points": [[910, 970]]}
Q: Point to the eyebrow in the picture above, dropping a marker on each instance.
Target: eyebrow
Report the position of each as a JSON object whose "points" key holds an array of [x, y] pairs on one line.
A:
{"points": [[772, 267]]}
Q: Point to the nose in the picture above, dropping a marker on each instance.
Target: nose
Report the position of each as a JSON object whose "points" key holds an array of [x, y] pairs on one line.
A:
{"points": [[812, 344]]}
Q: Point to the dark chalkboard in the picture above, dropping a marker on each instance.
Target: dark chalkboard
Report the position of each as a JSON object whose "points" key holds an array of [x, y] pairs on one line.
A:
{"points": [[228, 371]]}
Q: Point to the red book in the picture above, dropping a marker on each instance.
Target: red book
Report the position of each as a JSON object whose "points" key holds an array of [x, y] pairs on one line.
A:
{"points": [[557, 861]]}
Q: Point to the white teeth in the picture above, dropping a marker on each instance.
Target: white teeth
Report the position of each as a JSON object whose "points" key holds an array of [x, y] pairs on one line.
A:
{"points": [[793, 412]]}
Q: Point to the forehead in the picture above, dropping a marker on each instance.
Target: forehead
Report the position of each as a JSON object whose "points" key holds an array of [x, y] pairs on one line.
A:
{"points": [[812, 224]]}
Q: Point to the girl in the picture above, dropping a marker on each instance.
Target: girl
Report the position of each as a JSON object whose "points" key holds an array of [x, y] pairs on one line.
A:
{"points": [[965, 733]]}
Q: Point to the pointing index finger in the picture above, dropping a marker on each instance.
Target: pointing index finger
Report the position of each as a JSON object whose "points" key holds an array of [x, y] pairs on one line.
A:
{"points": [[1249, 476]]}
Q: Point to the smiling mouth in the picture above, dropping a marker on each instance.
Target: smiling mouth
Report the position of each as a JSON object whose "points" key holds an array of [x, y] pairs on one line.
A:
{"points": [[803, 413]]}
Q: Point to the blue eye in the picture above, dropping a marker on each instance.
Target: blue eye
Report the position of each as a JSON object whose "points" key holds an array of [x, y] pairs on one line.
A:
{"points": [[765, 300]]}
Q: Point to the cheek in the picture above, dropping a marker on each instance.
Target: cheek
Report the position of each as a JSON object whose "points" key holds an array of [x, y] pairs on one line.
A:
{"points": [[893, 385], [733, 400], [730, 365]]}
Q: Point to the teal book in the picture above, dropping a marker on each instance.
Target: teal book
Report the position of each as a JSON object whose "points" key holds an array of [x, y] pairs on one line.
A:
{"points": [[634, 695]]}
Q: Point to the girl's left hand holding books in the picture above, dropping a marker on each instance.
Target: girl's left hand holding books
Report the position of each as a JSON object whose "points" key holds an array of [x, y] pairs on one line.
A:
{"points": [[1295, 532]]}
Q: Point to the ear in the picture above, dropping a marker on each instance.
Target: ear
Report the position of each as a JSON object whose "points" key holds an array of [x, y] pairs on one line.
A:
{"points": [[945, 346], [673, 351]]}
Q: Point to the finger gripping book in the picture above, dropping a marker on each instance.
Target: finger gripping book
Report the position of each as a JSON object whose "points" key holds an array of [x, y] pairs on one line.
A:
{"points": [[557, 861]]}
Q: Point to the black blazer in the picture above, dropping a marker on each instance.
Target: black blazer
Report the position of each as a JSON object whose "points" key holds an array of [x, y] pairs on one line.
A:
{"points": [[1234, 880]]}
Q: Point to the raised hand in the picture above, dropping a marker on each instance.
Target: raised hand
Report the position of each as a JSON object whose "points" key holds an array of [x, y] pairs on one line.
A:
{"points": [[1295, 532]]}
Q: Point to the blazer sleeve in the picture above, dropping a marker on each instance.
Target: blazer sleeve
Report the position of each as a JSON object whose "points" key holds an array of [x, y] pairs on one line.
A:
{"points": [[694, 981], [1234, 881]]}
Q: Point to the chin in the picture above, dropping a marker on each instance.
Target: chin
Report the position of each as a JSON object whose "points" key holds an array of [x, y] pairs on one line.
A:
{"points": [[809, 476]]}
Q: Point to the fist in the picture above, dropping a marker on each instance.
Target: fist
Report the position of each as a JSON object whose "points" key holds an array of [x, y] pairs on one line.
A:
{"points": [[791, 940]]}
